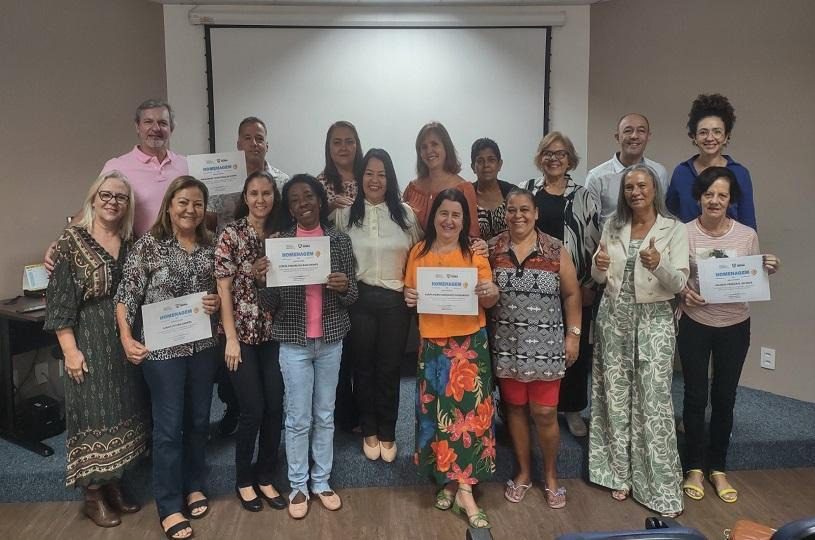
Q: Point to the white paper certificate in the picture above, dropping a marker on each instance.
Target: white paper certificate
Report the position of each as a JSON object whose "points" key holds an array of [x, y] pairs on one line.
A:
{"points": [[447, 291], [736, 279], [175, 321], [298, 261], [222, 173]]}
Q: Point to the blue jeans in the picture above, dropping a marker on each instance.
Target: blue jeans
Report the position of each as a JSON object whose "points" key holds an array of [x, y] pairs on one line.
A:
{"points": [[181, 394], [310, 375]]}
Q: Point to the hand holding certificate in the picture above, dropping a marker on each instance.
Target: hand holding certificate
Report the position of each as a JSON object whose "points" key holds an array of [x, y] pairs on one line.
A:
{"points": [[298, 261], [175, 322], [735, 279], [447, 291]]}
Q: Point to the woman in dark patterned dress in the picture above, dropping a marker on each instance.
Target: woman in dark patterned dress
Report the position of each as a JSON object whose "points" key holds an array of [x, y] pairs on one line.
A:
{"points": [[491, 192], [535, 276], [106, 410], [455, 440]]}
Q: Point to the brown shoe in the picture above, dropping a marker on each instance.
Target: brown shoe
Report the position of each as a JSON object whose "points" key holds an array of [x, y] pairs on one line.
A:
{"points": [[98, 511], [117, 501]]}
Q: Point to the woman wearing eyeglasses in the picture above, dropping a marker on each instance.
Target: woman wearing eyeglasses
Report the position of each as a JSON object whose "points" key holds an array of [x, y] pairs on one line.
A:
{"points": [[710, 124], [568, 212], [105, 404]]}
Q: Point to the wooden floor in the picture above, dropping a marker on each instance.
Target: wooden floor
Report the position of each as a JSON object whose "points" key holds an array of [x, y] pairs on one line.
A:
{"points": [[771, 497]]}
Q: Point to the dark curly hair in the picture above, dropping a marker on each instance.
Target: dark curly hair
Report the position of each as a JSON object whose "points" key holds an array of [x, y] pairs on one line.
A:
{"points": [[711, 105]]}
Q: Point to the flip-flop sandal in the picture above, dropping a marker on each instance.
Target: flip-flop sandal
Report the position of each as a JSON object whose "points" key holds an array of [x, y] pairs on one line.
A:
{"points": [[619, 494], [444, 499], [556, 499], [724, 493], [515, 493], [693, 490]]}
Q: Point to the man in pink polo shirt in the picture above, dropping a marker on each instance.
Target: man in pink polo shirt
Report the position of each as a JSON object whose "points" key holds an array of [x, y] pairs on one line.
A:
{"points": [[149, 167]]}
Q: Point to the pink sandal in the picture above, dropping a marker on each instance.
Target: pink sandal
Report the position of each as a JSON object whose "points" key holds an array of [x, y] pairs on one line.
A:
{"points": [[556, 499], [516, 492]]}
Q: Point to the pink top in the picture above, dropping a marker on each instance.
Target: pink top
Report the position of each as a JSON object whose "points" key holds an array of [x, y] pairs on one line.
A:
{"points": [[421, 201], [314, 296], [739, 241], [149, 180]]}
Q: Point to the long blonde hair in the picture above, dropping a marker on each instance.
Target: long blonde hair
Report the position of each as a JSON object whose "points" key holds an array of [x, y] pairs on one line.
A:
{"points": [[86, 215]]}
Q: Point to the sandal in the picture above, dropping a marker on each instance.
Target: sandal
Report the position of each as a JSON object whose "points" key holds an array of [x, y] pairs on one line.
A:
{"points": [[728, 494], [694, 490], [619, 494], [555, 499], [172, 531], [516, 492], [195, 505], [444, 499], [478, 520], [671, 515]]}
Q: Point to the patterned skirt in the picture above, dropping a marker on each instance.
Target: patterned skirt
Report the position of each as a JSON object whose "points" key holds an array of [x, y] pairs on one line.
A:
{"points": [[455, 436]]}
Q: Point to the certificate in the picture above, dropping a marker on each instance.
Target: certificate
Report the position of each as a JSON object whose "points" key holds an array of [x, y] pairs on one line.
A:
{"points": [[736, 279], [298, 261], [447, 291], [175, 322], [222, 173]]}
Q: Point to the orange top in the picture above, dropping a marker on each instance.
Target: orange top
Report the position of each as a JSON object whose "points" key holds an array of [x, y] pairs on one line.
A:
{"points": [[421, 201], [445, 326]]}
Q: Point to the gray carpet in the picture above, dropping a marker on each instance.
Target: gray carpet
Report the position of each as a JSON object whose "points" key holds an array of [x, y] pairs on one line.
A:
{"points": [[770, 432]]}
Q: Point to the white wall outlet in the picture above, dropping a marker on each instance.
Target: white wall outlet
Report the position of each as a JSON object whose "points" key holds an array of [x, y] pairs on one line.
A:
{"points": [[41, 372], [767, 358]]}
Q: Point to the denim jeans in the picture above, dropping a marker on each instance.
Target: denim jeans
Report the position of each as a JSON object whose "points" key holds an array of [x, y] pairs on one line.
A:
{"points": [[310, 375], [181, 394]]}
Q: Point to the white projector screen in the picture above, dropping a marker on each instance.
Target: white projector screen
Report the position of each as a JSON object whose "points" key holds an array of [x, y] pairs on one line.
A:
{"points": [[479, 82]]}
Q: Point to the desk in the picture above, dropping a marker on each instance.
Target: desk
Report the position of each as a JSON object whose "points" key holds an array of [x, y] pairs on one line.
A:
{"points": [[14, 311]]}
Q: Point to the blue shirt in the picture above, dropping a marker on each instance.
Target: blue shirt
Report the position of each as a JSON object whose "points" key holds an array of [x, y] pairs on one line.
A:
{"points": [[680, 199]]}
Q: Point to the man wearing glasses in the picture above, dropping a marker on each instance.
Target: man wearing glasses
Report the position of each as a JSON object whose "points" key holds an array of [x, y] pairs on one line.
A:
{"points": [[603, 181]]}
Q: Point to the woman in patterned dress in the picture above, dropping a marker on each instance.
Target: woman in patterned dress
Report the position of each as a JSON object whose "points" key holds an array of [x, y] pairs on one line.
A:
{"points": [[106, 410], [535, 276], [568, 212], [643, 260], [455, 440], [174, 259], [490, 191], [251, 355]]}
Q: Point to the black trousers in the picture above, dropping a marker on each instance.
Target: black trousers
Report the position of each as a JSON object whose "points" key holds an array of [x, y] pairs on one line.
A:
{"points": [[346, 414], [225, 391], [379, 327], [574, 386], [728, 346], [259, 389]]}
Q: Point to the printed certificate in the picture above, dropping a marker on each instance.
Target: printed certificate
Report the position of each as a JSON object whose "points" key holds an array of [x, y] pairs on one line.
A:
{"points": [[175, 321], [736, 279], [222, 173], [298, 261], [447, 291]]}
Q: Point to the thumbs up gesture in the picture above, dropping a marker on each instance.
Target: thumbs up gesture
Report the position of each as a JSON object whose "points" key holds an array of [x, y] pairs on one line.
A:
{"points": [[601, 259], [650, 256]]}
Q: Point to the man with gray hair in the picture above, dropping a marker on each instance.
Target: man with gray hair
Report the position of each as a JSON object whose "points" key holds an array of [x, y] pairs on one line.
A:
{"points": [[603, 181]]}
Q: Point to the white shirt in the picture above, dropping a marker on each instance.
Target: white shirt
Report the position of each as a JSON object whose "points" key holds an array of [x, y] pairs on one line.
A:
{"points": [[380, 246], [603, 182]]}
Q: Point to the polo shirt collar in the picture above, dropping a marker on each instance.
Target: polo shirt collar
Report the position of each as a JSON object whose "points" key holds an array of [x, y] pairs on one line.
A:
{"points": [[144, 158]]}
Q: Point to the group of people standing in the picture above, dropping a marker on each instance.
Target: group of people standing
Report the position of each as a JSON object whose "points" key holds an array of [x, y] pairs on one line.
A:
{"points": [[556, 262]]}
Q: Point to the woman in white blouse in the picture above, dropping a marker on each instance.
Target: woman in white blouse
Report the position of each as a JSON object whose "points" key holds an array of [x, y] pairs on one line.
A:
{"points": [[382, 231]]}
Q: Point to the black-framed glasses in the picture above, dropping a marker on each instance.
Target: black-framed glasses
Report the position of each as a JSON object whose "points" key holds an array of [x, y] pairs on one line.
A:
{"points": [[557, 154], [107, 196]]}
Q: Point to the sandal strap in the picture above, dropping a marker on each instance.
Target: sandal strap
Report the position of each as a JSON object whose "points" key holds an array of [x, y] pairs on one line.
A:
{"points": [[177, 528], [198, 504], [479, 520]]}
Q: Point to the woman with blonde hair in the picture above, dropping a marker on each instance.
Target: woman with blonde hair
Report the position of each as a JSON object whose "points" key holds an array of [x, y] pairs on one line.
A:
{"points": [[106, 412]]}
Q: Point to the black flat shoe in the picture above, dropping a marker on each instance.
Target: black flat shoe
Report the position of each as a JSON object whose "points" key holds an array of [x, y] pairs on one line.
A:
{"points": [[255, 505], [278, 503]]}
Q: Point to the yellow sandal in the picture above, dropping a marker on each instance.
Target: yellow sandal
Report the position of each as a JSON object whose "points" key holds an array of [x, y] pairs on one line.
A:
{"points": [[693, 490], [728, 494]]}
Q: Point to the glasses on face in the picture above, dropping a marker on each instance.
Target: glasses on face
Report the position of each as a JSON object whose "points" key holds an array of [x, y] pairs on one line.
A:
{"points": [[557, 154], [717, 133], [108, 196]]}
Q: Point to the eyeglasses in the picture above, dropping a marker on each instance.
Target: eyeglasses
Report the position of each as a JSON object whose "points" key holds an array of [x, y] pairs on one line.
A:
{"points": [[120, 198], [717, 133], [557, 154]]}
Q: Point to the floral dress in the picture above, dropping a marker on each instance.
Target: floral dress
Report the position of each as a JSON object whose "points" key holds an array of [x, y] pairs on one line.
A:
{"points": [[107, 415], [632, 441]]}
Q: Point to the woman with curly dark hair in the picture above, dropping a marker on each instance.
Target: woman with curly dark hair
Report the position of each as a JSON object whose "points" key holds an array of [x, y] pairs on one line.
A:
{"points": [[710, 124]]}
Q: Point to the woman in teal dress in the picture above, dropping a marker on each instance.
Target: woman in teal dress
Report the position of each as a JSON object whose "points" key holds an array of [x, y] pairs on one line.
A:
{"points": [[105, 407], [643, 260]]}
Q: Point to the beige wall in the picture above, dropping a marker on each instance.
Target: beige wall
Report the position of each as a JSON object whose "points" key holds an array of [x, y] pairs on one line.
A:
{"points": [[655, 57], [72, 75]]}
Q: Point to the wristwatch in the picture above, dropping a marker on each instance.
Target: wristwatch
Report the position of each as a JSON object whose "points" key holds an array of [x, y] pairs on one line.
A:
{"points": [[574, 330]]}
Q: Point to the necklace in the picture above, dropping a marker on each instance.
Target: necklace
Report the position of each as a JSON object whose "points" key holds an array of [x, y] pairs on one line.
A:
{"points": [[722, 230]]}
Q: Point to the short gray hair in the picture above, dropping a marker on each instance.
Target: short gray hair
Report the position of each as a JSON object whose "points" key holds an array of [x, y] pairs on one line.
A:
{"points": [[155, 104], [623, 214]]}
